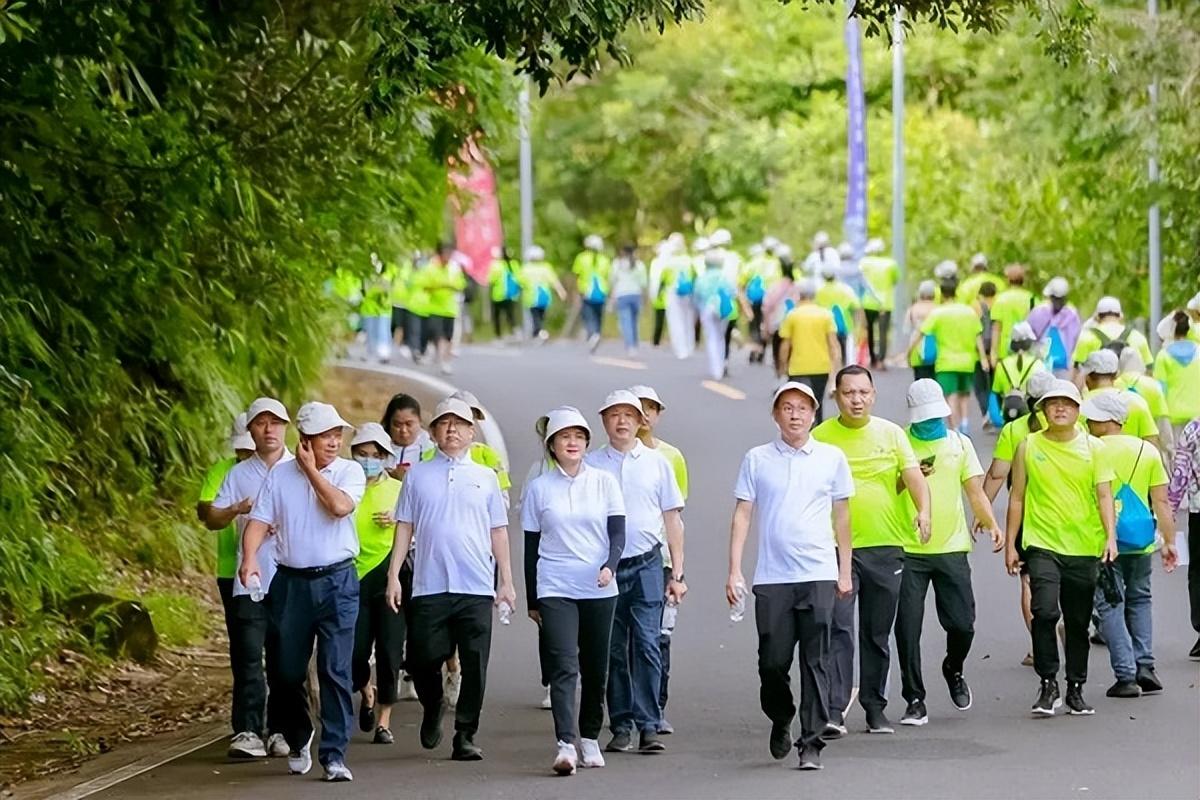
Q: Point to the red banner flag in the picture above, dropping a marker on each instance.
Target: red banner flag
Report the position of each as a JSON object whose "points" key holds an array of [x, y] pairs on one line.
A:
{"points": [[478, 231]]}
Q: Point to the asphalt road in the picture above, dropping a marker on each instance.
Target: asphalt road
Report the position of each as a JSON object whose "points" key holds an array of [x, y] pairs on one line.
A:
{"points": [[1144, 748]]}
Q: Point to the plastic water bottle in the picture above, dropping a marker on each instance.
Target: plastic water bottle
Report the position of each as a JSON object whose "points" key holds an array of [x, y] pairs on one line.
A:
{"points": [[505, 612], [737, 611], [255, 588], [670, 613]]}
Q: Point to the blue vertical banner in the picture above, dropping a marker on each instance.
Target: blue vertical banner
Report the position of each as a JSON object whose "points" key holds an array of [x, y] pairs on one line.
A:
{"points": [[856, 142]]}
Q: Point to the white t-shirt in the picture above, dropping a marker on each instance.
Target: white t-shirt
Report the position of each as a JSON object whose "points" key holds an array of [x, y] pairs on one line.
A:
{"points": [[536, 469], [648, 487], [453, 505], [306, 535], [572, 516], [246, 480], [409, 454], [827, 257], [627, 277], [793, 492]]}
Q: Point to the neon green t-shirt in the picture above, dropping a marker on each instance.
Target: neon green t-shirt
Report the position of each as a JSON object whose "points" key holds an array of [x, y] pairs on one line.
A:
{"points": [[1012, 306], [1012, 434], [401, 278], [484, 455], [838, 296], [877, 453], [955, 462], [1092, 338], [1136, 463], [956, 328], [678, 465], [1140, 422], [882, 274], [1148, 389], [587, 265], [498, 279], [1180, 381], [1061, 514], [441, 285], [537, 275], [968, 290], [375, 540], [1014, 372], [227, 537]]}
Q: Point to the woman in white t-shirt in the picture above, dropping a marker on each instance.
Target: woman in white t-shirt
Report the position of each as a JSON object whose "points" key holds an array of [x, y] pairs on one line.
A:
{"points": [[574, 522], [629, 279]]}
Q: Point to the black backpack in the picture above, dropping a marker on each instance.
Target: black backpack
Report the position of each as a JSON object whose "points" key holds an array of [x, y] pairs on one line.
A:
{"points": [[1116, 345], [1015, 405]]}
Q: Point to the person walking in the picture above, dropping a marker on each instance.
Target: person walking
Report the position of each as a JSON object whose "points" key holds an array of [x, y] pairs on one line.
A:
{"points": [[574, 521], [591, 269], [1178, 369], [1124, 604], [717, 310], [1183, 492], [922, 358], [795, 493], [841, 301], [1099, 372], [1056, 324], [881, 459], [442, 279], [680, 306], [956, 331], [652, 504], [1133, 378], [307, 507], [985, 365], [972, 285], [823, 255], [780, 300], [809, 345], [541, 285], [504, 278], [1107, 329], [951, 468], [1010, 379], [376, 309], [629, 283], [1061, 501], [881, 274], [1012, 305], [402, 421], [451, 508]]}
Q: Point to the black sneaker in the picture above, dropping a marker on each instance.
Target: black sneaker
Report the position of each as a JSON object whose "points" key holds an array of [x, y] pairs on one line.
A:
{"points": [[1148, 680], [431, 726], [781, 739], [1124, 689], [960, 693], [1194, 653], [366, 716], [915, 714], [1048, 699], [877, 721], [621, 743], [835, 728], [1076, 705], [810, 758], [465, 748], [383, 736], [650, 743]]}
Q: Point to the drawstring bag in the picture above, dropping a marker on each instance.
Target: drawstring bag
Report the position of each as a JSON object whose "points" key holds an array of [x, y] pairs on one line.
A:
{"points": [[596, 293], [685, 284], [512, 288], [929, 350], [755, 291], [724, 303], [1056, 356], [541, 298], [1135, 523], [839, 319]]}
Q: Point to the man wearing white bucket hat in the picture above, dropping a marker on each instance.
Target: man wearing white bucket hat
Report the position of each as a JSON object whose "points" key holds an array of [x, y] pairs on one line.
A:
{"points": [[796, 492], [1107, 329], [452, 508], [309, 503]]}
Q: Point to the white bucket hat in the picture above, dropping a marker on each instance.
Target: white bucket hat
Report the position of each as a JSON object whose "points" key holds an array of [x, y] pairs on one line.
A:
{"points": [[1105, 407], [978, 260], [873, 246], [795, 386], [315, 418], [239, 437], [622, 397], [1057, 287], [1023, 332], [1108, 305], [721, 238], [926, 401], [472, 401], [564, 417], [1101, 362], [593, 242], [453, 405], [268, 405], [1040, 382], [373, 432], [1061, 389], [643, 392]]}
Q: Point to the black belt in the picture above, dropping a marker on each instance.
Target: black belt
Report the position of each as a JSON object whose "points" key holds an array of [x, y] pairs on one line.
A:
{"points": [[308, 573], [653, 554]]}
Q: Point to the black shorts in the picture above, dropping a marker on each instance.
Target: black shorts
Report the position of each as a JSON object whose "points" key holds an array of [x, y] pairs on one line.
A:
{"points": [[1021, 552], [439, 329], [399, 319]]}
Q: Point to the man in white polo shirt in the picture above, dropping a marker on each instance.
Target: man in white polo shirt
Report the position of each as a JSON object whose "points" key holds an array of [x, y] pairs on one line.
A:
{"points": [[267, 422], [452, 508], [796, 491], [309, 503], [652, 504]]}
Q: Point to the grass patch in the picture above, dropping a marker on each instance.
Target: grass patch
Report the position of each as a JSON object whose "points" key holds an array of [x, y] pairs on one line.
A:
{"points": [[180, 620]]}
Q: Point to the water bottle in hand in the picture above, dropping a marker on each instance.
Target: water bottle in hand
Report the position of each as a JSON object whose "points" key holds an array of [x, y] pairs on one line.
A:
{"points": [[505, 612], [255, 588], [670, 613], [737, 611]]}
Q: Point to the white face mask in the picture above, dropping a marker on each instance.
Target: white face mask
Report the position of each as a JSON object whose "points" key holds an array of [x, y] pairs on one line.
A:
{"points": [[371, 466]]}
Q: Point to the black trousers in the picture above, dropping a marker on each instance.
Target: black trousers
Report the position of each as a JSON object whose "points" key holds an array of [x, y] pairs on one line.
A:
{"points": [[923, 371], [504, 310], [983, 388], [729, 326], [878, 323], [818, 384], [1061, 586], [251, 636], [876, 572], [664, 651], [660, 319], [841, 337], [439, 625], [795, 617], [950, 574], [1194, 570], [379, 630], [537, 319], [577, 634]]}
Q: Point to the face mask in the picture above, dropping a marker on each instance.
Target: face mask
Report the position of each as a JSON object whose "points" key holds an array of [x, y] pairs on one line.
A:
{"points": [[371, 466], [929, 430]]}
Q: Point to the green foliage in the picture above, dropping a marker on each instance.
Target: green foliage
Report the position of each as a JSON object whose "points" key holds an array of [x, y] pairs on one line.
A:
{"points": [[179, 619]]}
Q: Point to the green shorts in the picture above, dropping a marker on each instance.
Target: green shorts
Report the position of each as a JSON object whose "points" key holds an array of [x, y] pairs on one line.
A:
{"points": [[955, 382]]}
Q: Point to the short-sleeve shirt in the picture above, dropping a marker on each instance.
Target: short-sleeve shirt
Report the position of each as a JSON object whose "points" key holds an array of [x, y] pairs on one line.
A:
{"points": [[678, 465], [1137, 463], [375, 540], [956, 328], [306, 535], [408, 454], [955, 462], [1140, 422], [793, 490], [1061, 512], [227, 537], [877, 453], [453, 505], [571, 514], [649, 489], [807, 327], [1014, 372], [1090, 340], [246, 479], [1012, 306], [1148, 389], [484, 455], [1011, 436]]}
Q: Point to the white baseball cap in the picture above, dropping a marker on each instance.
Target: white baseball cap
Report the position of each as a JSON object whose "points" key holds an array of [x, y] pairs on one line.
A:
{"points": [[795, 386], [1040, 382], [926, 401], [1057, 287], [770, 243], [874, 246], [456, 406], [1101, 362], [978, 260], [472, 401], [1108, 305], [927, 289], [593, 242], [1105, 407], [643, 392], [701, 244], [783, 251], [373, 432], [315, 418], [1061, 388], [562, 418], [756, 250], [534, 253], [945, 269], [239, 437], [268, 405], [806, 289], [845, 250], [721, 237], [622, 397], [821, 239], [1023, 332]]}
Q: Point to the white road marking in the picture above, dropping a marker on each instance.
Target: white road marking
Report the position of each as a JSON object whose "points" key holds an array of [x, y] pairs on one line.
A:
{"points": [[724, 390], [618, 362]]}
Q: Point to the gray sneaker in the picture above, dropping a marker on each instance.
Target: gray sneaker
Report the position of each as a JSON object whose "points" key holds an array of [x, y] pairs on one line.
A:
{"points": [[337, 772], [277, 746], [247, 744], [300, 761]]}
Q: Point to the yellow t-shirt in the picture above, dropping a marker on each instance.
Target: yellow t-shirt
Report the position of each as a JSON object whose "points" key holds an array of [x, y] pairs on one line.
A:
{"points": [[1136, 463], [375, 540], [877, 453], [1140, 422], [678, 465], [807, 327], [955, 462], [1061, 514], [956, 327]]}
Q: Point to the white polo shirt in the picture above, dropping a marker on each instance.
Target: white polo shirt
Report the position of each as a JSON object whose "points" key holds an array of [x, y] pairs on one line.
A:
{"points": [[453, 504], [793, 492], [244, 480], [572, 515], [648, 487], [306, 535]]}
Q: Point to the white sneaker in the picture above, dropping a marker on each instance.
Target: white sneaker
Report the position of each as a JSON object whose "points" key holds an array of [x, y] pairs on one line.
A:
{"points": [[247, 744], [591, 756], [277, 746], [452, 687], [546, 704], [564, 762], [300, 761], [337, 772], [446, 368], [408, 691]]}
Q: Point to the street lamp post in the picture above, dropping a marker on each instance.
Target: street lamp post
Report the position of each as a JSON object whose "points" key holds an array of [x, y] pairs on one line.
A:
{"points": [[898, 158], [1154, 222]]}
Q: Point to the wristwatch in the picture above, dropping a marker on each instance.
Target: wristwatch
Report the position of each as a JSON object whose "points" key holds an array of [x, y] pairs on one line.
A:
{"points": [[677, 578]]}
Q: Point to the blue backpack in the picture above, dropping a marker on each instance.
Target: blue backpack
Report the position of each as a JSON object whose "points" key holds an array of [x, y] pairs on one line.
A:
{"points": [[929, 350], [839, 319], [755, 291], [1135, 523], [685, 283], [541, 298], [512, 289], [1056, 357], [595, 293]]}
